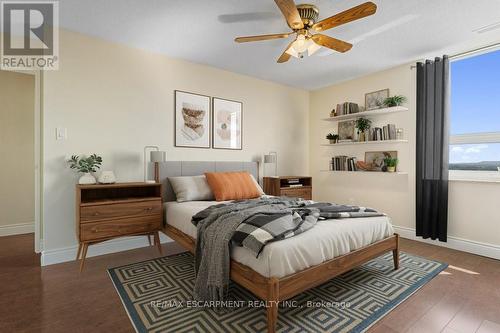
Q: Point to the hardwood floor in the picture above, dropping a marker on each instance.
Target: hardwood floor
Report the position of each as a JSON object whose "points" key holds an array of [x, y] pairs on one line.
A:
{"points": [[57, 298]]}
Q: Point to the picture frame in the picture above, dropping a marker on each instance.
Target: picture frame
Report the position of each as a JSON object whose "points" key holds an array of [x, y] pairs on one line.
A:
{"points": [[376, 158], [347, 130], [227, 124], [375, 100], [192, 128]]}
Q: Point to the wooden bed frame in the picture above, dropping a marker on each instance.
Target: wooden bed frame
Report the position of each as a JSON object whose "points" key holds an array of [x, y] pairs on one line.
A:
{"points": [[273, 290]]}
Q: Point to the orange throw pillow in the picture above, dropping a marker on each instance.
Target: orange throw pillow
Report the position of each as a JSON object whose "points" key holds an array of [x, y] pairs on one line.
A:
{"points": [[232, 185]]}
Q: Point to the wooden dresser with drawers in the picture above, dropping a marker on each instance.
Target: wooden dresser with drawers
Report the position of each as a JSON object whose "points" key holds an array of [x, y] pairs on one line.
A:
{"points": [[104, 212]]}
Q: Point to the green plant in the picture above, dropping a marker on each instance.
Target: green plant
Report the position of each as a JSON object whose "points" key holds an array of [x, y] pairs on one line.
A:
{"points": [[85, 164], [362, 124], [391, 162], [332, 136], [394, 100]]}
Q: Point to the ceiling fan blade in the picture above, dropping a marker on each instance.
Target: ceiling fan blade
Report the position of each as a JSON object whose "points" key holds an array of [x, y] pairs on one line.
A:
{"points": [[285, 56], [260, 38], [291, 13], [355, 13], [331, 43]]}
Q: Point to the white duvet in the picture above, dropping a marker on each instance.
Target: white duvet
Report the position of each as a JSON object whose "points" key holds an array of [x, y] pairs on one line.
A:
{"points": [[327, 240]]}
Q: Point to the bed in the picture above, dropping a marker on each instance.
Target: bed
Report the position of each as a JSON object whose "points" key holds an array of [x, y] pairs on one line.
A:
{"points": [[285, 268]]}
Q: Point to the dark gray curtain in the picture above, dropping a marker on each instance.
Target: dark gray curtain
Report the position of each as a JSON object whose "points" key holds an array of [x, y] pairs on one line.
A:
{"points": [[433, 104]]}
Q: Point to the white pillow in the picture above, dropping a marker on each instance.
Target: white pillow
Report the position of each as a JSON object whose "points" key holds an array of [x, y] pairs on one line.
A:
{"points": [[261, 191], [192, 188]]}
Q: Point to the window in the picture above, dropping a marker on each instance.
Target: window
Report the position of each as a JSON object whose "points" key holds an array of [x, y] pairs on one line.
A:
{"points": [[475, 117]]}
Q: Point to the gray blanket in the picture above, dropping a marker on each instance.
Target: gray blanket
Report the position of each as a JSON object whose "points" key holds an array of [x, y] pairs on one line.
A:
{"points": [[218, 224]]}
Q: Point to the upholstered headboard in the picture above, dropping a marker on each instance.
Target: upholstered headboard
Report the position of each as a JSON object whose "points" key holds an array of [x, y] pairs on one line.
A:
{"points": [[194, 168]]}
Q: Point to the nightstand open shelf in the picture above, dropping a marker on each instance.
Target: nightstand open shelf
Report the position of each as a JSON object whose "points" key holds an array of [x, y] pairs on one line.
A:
{"points": [[289, 186]]}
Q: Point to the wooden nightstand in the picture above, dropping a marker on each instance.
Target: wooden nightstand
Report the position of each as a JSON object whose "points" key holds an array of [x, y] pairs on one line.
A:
{"points": [[289, 186], [105, 212]]}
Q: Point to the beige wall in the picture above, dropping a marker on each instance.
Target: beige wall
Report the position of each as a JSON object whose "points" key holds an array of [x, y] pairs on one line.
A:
{"points": [[472, 205], [17, 192], [393, 194], [114, 100]]}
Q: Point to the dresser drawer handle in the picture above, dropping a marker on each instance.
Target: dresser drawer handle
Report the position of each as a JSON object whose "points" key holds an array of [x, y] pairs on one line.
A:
{"points": [[96, 214], [148, 209]]}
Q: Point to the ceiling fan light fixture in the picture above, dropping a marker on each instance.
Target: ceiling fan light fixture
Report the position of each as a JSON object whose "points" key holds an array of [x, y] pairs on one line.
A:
{"points": [[301, 44], [313, 48]]}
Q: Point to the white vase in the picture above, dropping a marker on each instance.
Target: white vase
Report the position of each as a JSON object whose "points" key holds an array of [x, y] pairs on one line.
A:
{"points": [[86, 179], [107, 177]]}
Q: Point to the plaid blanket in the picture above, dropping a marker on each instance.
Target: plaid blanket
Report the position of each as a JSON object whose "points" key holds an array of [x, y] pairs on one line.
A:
{"points": [[252, 224], [262, 228], [259, 229]]}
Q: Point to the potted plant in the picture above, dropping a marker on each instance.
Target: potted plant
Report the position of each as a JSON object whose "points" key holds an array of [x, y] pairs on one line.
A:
{"points": [[396, 100], [362, 124], [391, 163], [86, 165], [332, 137]]}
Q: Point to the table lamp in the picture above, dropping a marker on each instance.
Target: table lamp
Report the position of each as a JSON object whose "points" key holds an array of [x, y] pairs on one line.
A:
{"points": [[271, 158], [156, 156]]}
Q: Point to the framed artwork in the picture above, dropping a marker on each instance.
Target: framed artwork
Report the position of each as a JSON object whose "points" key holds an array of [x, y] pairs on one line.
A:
{"points": [[375, 100], [192, 120], [346, 130], [227, 124], [376, 158]]}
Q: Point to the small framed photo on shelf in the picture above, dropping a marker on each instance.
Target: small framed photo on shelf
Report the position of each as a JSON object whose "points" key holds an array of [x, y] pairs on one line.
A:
{"points": [[192, 120], [346, 130], [375, 100], [227, 124], [376, 158]]}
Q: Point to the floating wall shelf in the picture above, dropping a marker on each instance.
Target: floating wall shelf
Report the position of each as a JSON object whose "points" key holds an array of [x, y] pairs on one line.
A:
{"points": [[368, 114], [367, 172], [362, 143]]}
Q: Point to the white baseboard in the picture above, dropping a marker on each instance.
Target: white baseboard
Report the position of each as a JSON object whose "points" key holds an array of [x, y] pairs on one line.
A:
{"points": [[17, 229], [456, 243], [56, 256]]}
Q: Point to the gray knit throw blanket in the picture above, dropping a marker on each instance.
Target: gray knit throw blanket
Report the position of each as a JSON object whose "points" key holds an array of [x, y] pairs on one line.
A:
{"points": [[215, 228]]}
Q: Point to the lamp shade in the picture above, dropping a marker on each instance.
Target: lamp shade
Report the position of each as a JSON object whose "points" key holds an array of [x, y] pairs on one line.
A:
{"points": [[158, 156], [270, 158]]}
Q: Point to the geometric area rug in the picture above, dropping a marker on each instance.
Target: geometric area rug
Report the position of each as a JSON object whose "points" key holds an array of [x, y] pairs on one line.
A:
{"points": [[157, 297]]}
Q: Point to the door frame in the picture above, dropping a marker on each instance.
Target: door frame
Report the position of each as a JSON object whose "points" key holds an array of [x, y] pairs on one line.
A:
{"points": [[38, 149], [38, 162]]}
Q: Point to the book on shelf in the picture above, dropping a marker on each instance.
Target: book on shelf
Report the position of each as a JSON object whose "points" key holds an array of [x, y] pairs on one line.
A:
{"points": [[347, 108], [343, 163], [387, 132], [295, 185], [392, 131]]}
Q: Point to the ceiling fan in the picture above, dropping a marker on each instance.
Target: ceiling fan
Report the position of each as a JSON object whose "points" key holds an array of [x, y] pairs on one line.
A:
{"points": [[302, 19]]}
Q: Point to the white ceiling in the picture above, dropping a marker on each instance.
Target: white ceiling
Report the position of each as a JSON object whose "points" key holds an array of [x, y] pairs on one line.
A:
{"points": [[203, 31]]}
